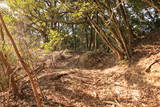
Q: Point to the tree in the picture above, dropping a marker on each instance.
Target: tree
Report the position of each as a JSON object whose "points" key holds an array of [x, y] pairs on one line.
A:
{"points": [[154, 3], [115, 22], [25, 66]]}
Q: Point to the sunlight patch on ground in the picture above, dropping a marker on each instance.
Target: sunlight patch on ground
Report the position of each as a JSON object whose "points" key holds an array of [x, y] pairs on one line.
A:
{"points": [[154, 78], [119, 69]]}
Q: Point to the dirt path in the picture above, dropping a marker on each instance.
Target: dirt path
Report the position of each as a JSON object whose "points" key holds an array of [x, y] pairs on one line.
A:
{"points": [[65, 84], [120, 85], [117, 85], [103, 88]]}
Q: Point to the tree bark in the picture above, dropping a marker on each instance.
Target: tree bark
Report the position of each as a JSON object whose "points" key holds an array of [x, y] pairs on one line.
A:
{"points": [[121, 35], [153, 4], [121, 38], [1, 32], [87, 38], [25, 66], [103, 36], [129, 29]]}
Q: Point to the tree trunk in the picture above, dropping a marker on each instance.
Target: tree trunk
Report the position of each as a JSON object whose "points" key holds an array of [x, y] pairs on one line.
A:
{"points": [[24, 65], [121, 35], [87, 38], [46, 38], [91, 44], [153, 4], [103, 36], [1, 33], [113, 31], [122, 39], [129, 29]]}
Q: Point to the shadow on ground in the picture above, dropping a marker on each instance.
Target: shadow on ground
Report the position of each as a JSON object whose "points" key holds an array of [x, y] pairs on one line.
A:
{"points": [[149, 93]]}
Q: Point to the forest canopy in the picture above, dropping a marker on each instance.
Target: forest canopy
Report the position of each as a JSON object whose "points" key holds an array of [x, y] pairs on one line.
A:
{"points": [[84, 25]]}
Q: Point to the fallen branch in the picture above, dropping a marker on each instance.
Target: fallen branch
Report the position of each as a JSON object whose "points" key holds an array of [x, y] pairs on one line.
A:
{"points": [[148, 70], [34, 72]]}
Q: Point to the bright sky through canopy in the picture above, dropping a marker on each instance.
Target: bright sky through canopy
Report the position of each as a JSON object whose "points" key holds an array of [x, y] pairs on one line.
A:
{"points": [[3, 4]]}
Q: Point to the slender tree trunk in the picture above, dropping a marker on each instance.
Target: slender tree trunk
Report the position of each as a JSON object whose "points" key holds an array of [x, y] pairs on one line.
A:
{"points": [[114, 21], [128, 28], [103, 36], [46, 38], [92, 44], [58, 27], [152, 18], [9, 73], [75, 40], [91, 39], [96, 40], [121, 35], [1, 32], [113, 31], [157, 6], [87, 38], [149, 14], [25, 66]]}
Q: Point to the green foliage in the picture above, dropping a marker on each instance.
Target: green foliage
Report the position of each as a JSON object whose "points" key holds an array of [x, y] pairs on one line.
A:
{"points": [[138, 4], [83, 9], [65, 24], [8, 51], [55, 40]]}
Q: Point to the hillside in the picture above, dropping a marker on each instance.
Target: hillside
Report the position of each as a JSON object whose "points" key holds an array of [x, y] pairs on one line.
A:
{"points": [[65, 83], [79, 53]]}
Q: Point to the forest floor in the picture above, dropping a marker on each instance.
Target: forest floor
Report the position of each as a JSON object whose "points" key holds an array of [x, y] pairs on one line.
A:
{"points": [[66, 83]]}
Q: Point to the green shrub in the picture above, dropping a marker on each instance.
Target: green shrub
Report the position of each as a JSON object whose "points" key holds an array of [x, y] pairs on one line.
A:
{"points": [[55, 41]]}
